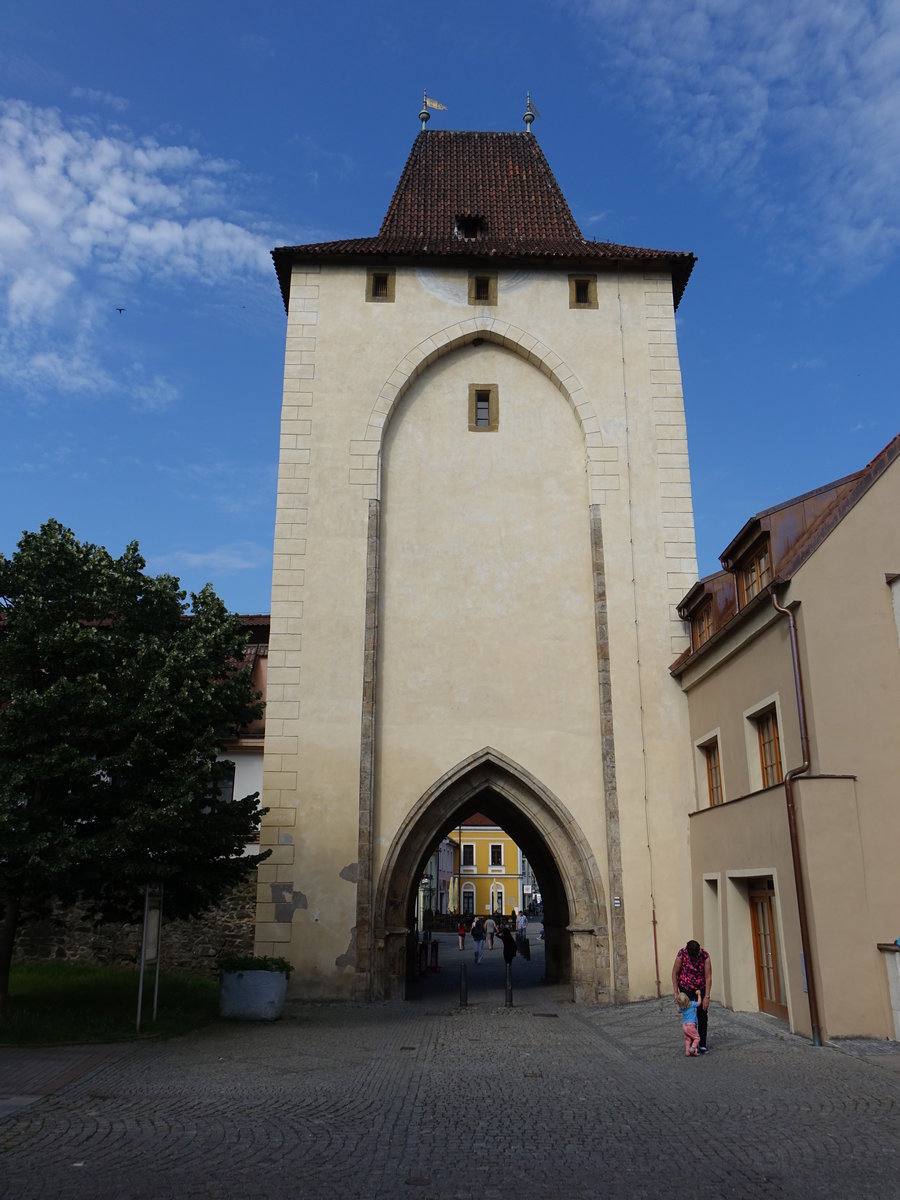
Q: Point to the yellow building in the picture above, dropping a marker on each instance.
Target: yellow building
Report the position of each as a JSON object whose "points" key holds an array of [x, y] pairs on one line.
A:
{"points": [[492, 874]]}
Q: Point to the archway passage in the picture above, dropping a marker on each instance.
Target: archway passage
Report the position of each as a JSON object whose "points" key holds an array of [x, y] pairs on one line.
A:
{"points": [[577, 949]]}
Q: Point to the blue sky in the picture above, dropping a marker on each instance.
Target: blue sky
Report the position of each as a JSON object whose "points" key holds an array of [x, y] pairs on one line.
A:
{"points": [[151, 156]]}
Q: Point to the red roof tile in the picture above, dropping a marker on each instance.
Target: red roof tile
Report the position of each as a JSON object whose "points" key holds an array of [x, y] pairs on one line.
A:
{"points": [[503, 184]]}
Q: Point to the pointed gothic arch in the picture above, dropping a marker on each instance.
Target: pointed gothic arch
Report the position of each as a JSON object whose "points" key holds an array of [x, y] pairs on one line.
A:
{"points": [[577, 929], [602, 461]]}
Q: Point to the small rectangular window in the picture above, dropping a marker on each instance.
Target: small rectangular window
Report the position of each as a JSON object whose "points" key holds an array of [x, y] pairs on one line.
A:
{"points": [[483, 287], [468, 854], [224, 781], [484, 407], [496, 854], [713, 771], [380, 286], [769, 748], [582, 291]]}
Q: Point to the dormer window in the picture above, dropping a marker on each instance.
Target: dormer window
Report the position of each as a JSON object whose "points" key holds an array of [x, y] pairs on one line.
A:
{"points": [[468, 227], [754, 572], [701, 626]]}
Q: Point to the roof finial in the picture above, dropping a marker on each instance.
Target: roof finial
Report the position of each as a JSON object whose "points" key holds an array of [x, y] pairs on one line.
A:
{"points": [[427, 103], [530, 112]]}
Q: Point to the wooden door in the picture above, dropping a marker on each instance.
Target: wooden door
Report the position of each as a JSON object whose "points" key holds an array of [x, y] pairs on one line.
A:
{"points": [[765, 949]]}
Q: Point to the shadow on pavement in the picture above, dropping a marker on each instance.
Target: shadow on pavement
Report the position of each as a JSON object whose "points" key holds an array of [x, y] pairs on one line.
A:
{"points": [[486, 981]]}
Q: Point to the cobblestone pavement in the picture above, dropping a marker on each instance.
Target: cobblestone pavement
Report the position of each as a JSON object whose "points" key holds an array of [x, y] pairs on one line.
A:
{"points": [[429, 1100]]}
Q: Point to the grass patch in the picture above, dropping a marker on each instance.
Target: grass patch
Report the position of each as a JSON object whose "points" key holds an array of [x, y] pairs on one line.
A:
{"points": [[57, 1003]]}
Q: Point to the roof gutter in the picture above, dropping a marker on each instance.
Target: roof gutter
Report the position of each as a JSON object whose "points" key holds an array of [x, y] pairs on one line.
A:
{"points": [[792, 827]]}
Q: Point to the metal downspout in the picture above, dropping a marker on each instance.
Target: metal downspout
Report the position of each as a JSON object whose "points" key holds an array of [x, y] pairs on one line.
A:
{"points": [[792, 827]]}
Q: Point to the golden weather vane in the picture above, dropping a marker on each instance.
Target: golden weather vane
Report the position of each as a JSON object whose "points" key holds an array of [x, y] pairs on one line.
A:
{"points": [[428, 102]]}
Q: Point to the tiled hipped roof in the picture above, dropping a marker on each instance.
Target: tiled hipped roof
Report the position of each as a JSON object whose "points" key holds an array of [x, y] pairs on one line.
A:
{"points": [[501, 182], [503, 178], [796, 529]]}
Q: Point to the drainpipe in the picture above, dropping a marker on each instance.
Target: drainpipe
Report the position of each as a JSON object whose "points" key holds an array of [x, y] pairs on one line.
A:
{"points": [[792, 826], [656, 950]]}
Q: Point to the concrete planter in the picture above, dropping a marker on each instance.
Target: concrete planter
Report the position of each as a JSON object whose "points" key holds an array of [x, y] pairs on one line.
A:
{"points": [[252, 995]]}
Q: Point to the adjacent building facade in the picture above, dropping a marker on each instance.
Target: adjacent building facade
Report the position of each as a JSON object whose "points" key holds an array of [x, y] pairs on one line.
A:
{"points": [[483, 531], [793, 684], [245, 752]]}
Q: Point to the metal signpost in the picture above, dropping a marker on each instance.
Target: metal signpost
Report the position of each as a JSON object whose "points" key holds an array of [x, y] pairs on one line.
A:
{"points": [[150, 943]]}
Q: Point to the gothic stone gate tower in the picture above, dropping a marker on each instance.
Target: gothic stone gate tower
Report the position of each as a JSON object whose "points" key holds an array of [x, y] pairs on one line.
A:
{"points": [[483, 528]]}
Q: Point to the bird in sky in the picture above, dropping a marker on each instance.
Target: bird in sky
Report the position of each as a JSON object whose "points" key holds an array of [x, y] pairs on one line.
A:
{"points": [[120, 310]]}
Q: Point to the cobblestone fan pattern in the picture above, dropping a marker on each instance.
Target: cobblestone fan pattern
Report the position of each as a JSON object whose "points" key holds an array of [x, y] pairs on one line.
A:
{"points": [[428, 1100]]}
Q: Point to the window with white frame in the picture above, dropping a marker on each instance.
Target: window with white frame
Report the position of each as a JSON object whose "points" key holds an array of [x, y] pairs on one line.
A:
{"points": [[769, 747], [468, 854], [712, 762], [762, 726], [496, 854]]}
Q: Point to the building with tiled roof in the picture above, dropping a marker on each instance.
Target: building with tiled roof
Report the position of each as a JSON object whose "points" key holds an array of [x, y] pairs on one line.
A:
{"points": [[793, 684], [482, 198], [483, 529]]}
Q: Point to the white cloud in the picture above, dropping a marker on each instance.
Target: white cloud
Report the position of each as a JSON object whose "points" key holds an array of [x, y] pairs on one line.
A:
{"points": [[119, 103], [234, 556], [154, 395], [807, 364], [791, 105], [83, 208], [234, 488]]}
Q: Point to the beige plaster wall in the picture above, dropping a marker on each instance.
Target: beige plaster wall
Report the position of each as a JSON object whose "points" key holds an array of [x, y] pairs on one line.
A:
{"points": [[486, 634], [727, 687], [745, 840], [749, 839], [620, 445], [851, 664], [849, 827], [853, 995]]}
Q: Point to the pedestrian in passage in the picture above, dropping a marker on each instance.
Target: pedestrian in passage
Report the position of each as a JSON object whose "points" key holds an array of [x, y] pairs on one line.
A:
{"points": [[692, 972], [687, 1010], [478, 939], [461, 933], [509, 943], [490, 929]]}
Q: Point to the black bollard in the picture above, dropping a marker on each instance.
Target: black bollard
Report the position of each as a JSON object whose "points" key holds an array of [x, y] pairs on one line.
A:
{"points": [[509, 1002], [463, 986]]}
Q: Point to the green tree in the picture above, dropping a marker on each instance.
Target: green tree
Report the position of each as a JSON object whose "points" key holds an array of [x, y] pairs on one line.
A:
{"points": [[115, 699]]}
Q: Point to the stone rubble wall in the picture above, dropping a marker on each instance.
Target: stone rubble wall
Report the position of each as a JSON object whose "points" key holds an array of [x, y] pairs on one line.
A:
{"points": [[191, 946]]}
